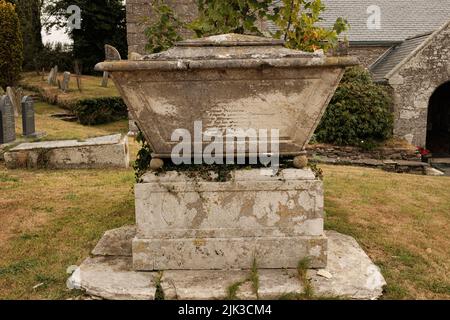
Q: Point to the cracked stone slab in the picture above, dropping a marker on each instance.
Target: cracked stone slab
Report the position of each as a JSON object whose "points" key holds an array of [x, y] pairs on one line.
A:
{"points": [[204, 285], [354, 276], [116, 242], [112, 278]]}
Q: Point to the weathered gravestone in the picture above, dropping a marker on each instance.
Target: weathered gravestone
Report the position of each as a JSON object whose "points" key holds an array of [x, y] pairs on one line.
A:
{"points": [[50, 76], [66, 81], [15, 96], [28, 124], [7, 121]]}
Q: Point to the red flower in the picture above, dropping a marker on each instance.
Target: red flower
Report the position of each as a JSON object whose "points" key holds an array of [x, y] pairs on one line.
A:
{"points": [[423, 151]]}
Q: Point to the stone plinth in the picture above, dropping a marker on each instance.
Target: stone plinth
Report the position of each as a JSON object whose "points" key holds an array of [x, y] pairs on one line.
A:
{"points": [[109, 274], [189, 223], [102, 152]]}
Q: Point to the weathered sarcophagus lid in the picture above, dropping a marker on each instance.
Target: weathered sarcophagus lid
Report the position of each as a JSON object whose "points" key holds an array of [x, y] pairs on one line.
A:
{"points": [[228, 82]]}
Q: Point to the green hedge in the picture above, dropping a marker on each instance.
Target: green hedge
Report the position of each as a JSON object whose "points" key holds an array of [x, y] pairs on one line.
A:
{"points": [[100, 110], [359, 113]]}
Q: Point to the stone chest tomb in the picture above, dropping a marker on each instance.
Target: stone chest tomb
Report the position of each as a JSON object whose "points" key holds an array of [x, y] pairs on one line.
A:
{"points": [[229, 82], [194, 226]]}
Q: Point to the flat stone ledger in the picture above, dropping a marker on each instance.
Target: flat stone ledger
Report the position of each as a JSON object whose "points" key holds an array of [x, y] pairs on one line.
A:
{"points": [[190, 223], [101, 152]]}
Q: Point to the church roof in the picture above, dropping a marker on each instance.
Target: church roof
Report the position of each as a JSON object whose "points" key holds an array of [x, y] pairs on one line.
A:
{"points": [[395, 56], [388, 64], [400, 19]]}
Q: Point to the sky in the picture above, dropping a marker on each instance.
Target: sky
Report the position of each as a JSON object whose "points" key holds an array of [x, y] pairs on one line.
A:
{"points": [[55, 36]]}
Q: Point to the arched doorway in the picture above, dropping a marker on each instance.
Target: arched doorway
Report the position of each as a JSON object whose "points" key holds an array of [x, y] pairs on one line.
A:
{"points": [[438, 128]]}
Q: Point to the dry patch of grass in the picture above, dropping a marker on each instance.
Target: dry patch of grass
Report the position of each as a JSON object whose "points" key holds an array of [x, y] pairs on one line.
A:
{"points": [[51, 220], [403, 223]]}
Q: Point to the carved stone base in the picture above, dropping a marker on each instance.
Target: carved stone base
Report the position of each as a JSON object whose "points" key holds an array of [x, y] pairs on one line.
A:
{"points": [[192, 223]]}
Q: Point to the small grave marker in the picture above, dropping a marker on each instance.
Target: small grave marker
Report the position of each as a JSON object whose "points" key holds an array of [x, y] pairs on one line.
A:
{"points": [[50, 76], [28, 122], [65, 81]]}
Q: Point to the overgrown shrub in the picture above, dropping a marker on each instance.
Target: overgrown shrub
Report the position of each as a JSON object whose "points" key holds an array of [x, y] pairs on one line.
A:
{"points": [[11, 46], [359, 113], [100, 111]]}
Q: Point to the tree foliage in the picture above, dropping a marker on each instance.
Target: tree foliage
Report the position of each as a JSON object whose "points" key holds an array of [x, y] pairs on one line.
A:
{"points": [[11, 46], [163, 30], [29, 12], [103, 22], [359, 113], [296, 20], [231, 16]]}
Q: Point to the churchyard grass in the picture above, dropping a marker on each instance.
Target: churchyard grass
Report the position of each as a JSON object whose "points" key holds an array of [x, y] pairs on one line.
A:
{"points": [[63, 130], [50, 220], [401, 221], [91, 88]]}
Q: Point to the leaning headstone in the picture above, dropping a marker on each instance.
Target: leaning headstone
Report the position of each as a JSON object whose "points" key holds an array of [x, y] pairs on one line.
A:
{"points": [[65, 81], [28, 124], [7, 121], [105, 79]]}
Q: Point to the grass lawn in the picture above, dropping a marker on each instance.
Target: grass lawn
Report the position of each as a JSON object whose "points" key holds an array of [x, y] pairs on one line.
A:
{"points": [[61, 130], [50, 220], [91, 88]]}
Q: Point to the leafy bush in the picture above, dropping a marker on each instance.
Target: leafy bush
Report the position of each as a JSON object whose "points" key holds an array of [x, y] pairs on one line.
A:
{"points": [[100, 111], [359, 114], [11, 46], [232, 16], [164, 31], [298, 21]]}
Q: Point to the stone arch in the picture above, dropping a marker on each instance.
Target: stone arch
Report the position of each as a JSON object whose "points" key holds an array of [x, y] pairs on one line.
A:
{"points": [[438, 123]]}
